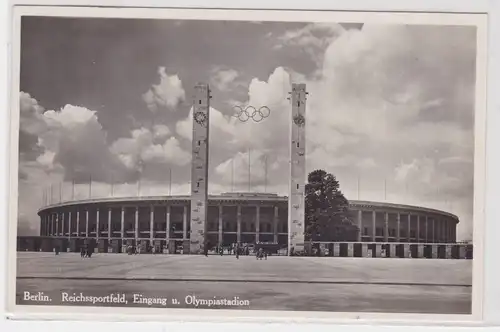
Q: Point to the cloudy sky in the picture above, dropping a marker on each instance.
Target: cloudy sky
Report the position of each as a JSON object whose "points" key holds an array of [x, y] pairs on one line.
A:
{"points": [[390, 108]]}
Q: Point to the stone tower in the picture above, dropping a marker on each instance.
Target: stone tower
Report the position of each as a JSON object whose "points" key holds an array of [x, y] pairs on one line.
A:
{"points": [[296, 199], [199, 168]]}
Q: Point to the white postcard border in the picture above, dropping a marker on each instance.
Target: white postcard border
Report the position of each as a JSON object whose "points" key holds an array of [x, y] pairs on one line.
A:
{"points": [[204, 314]]}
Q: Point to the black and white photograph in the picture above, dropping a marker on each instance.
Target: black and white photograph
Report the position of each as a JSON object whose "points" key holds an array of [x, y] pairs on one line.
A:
{"points": [[247, 161]]}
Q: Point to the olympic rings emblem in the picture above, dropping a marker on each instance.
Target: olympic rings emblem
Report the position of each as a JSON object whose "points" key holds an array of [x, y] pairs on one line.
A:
{"points": [[249, 112]]}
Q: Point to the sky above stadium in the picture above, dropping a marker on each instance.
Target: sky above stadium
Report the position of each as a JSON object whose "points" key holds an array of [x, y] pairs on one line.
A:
{"points": [[389, 113]]}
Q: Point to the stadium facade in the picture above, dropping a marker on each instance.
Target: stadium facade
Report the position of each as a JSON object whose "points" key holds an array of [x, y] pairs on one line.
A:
{"points": [[190, 222], [162, 222]]}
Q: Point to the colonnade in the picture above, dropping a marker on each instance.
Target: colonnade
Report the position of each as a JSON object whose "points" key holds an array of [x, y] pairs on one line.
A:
{"points": [[88, 222], [405, 226], [101, 222]]}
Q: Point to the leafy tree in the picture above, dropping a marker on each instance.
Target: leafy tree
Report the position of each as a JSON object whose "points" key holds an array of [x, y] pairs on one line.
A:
{"points": [[327, 215]]}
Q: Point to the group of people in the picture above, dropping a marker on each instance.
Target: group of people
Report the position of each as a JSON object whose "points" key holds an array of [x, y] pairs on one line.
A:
{"points": [[86, 251], [237, 250]]}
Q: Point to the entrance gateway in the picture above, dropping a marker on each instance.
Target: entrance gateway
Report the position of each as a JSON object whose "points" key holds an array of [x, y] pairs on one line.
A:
{"points": [[199, 168]]}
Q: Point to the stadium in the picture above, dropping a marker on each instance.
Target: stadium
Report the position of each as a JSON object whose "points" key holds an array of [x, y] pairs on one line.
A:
{"points": [[200, 221], [162, 223]]}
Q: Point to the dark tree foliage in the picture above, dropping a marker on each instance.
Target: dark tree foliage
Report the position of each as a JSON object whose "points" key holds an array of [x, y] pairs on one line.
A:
{"points": [[327, 215]]}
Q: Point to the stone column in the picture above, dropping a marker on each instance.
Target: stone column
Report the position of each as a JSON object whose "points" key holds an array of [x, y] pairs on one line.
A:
{"points": [[77, 223], [87, 223], [257, 223], [426, 229], [70, 223], [43, 231], [136, 224], [151, 224], [167, 216], [57, 224], [360, 225], [398, 227], [438, 230], [275, 223], [238, 226], [433, 230], [297, 170], [446, 233], [184, 223], [220, 239], [386, 227], [63, 220], [409, 228], [97, 224], [109, 224], [447, 238], [199, 168], [122, 223], [452, 240], [418, 228], [374, 225], [444, 236], [42, 226]]}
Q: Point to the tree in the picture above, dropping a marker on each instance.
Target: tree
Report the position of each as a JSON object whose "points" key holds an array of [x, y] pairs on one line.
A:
{"points": [[327, 215]]}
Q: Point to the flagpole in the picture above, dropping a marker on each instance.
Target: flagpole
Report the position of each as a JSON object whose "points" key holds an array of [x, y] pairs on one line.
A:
{"points": [[249, 172], [358, 186], [90, 186], [112, 185], [60, 192], [73, 189], [170, 181], [232, 174], [385, 190], [265, 173], [51, 193]]}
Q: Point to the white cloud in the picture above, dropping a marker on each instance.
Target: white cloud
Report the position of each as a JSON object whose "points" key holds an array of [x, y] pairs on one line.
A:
{"points": [[140, 149], [161, 132], [224, 79], [168, 153], [312, 39], [237, 169], [167, 94]]}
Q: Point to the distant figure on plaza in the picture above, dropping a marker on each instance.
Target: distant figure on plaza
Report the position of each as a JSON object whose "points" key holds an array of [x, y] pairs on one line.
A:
{"points": [[237, 250], [260, 253], [82, 251], [153, 250], [205, 249], [221, 250], [89, 251]]}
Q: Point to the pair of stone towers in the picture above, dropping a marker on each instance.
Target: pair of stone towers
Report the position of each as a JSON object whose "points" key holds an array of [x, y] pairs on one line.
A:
{"points": [[199, 168]]}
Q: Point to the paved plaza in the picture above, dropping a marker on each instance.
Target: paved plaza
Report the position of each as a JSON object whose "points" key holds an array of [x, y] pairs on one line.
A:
{"points": [[279, 283]]}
